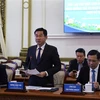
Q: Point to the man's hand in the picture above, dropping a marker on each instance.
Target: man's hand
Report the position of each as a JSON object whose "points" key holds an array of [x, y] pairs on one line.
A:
{"points": [[96, 85], [72, 74], [79, 83], [41, 74]]}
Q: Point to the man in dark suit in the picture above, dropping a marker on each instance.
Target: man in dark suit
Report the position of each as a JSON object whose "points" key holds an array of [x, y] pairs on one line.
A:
{"points": [[49, 62], [86, 73], [76, 64]]}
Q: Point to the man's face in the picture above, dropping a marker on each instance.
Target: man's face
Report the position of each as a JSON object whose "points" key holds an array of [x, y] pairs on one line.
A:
{"points": [[40, 38], [80, 57], [92, 61]]}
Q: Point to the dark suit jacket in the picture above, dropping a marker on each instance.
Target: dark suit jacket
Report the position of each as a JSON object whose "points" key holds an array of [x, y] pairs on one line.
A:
{"points": [[49, 62], [83, 77], [73, 65], [3, 75]]}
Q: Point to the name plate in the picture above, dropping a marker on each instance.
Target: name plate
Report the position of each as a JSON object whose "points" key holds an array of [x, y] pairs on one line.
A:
{"points": [[16, 86], [75, 88]]}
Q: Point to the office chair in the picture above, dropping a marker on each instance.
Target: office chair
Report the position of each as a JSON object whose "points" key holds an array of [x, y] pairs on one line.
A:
{"points": [[3, 75]]}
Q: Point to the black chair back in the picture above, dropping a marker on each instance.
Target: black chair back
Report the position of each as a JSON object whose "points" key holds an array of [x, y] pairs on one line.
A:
{"points": [[3, 75]]}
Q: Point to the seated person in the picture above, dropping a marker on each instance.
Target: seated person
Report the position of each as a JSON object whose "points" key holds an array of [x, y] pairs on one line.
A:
{"points": [[91, 73], [76, 64], [3, 75]]}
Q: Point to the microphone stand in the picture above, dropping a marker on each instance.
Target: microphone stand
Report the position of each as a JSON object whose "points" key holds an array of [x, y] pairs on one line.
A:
{"points": [[27, 69]]}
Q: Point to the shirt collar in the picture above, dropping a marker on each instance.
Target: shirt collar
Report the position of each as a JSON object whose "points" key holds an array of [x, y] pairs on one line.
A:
{"points": [[96, 69], [42, 47], [80, 63]]}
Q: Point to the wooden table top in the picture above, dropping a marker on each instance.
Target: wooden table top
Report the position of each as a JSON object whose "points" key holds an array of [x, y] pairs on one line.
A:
{"points": [[90, 96], [69, 80], [20, 77]]}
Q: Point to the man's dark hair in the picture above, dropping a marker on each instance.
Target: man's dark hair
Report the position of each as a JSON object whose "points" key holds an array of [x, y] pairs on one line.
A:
{"points": [[81, 50], [41, 29], [94, 52]]}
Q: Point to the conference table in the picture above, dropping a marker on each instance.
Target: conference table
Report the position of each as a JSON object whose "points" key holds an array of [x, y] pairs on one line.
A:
{"points": [[69, 80], [25, 79], [41, 95], [21, 79]]}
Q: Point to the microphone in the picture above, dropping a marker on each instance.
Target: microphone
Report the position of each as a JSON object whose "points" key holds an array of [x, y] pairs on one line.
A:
{"points": [[26, 76], [28, 66], [29, 63]]}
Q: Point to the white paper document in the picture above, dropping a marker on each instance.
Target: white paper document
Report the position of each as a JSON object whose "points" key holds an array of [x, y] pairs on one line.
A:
{"points": [[37, 88], [31, 72]]}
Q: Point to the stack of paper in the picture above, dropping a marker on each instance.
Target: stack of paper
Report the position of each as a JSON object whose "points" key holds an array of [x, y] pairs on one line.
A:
{"points": [[31, 72], [37, 88]]}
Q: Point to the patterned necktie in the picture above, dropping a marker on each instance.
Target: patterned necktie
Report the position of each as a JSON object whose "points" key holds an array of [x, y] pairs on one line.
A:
{"points": [[39, 55], [93, 78]]}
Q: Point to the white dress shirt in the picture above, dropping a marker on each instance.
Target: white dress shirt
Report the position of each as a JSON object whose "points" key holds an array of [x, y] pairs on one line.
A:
{"points": [[96, 74], [42, 49]]}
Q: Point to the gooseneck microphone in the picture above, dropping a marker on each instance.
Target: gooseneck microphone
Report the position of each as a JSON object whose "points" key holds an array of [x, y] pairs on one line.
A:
{"points": [[28, 67]]}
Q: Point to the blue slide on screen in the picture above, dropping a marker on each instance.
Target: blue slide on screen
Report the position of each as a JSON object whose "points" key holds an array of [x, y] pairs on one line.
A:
{"points": [[81, 16]]}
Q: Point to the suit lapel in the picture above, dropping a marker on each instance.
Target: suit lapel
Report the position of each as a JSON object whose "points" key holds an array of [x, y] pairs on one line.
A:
{"points": [[88, 74], [34, 52], [44, 53], [98, 76]]}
